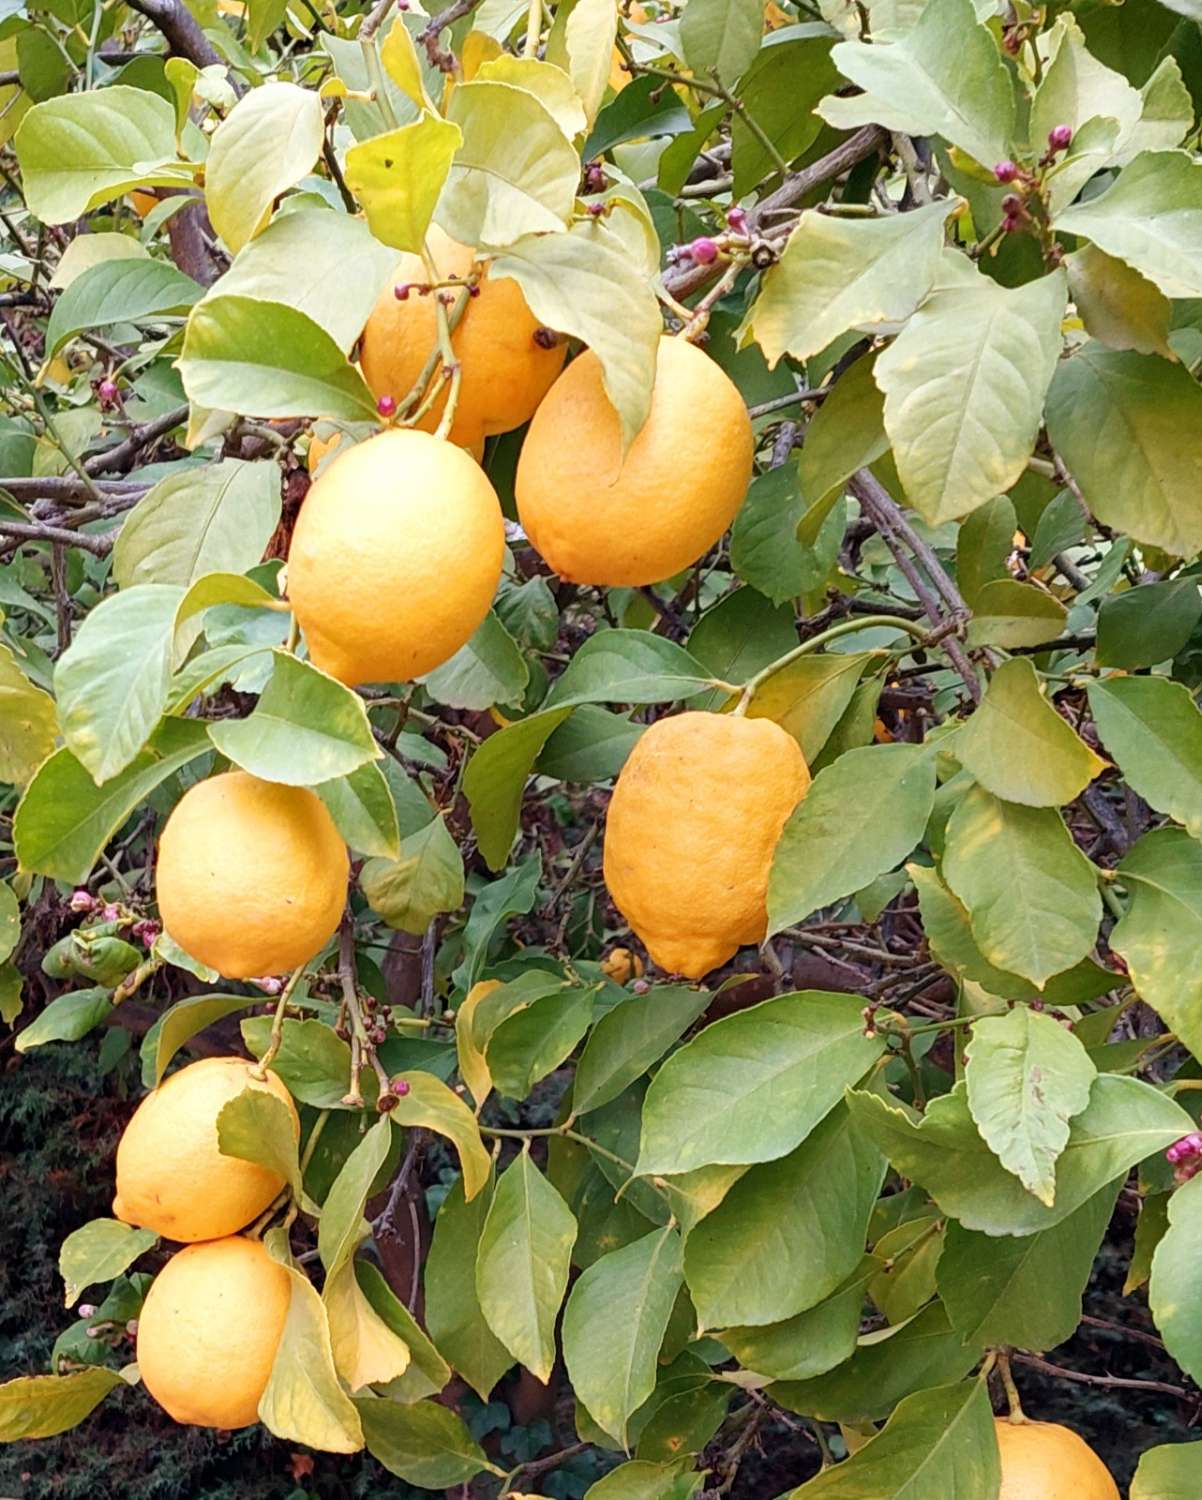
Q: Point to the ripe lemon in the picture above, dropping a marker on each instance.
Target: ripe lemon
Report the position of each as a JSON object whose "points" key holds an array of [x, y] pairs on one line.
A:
{"points": [[506, 371], [171, 1175], [692, 826], [209, 1329], [621, 965], [597, 519], [1044, 1461], [395, 557], [251, 875]]}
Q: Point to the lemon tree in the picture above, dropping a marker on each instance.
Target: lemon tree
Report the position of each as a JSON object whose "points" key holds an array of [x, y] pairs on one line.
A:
{"points": [[419, 428]]}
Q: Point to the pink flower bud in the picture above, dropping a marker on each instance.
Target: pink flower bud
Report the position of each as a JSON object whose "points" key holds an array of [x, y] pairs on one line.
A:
{"points": [[1005, 171], [596, 209], [386, 406], [108, 392], [545, 338], [400, 1087], [82, 900], [594, 178], [1060, 137], [704, 251], [737, 219], [270, 984], [401, 292], [147, 932], [640, 987], [87, 1309], [111, 912]]}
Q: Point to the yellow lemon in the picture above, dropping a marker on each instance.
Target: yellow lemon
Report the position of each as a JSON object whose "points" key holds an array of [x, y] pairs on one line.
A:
{"points": [[508, 360], [692, 826], [621, 965], [209, 1329], [171, 1175], [251, 875], [597, 518], [395, 557], [1044, 1461]]}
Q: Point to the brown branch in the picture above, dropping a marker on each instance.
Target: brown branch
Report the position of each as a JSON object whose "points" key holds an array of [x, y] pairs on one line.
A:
{"points": [[99, 546], [118, 457], [67, 488], [1116, 1382], [181, 29], [429, 35], [686, 280]]}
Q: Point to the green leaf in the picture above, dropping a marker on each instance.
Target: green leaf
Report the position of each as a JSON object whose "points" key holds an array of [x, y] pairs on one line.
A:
{"points": [[325, 265], [64, 819], [811, 1342], [1126, 1120], [1147, 625], [1150, 217], [752, 1086], [28, 722], [10, 921], [1118, 306], [526, 1047], [964, 386], [640, 1480], [1170, 1472], [42, 1406], [264, 146], [66, 1019], [742, 634], [268, 360], [424, 880], [366, 1349], [112, 681], [256, 1125], [424, 1444], [1031, 894], [589, 44], [1156, 936], [362, 808], [1174, 1271], [1008, 613], [514, 173], [943, 77], [809, 696], [764, 550], [937, 1442], [591, 746], [835, 274], [496, 777], [721, 37], [428, 1372], [1026, 1077], [846, 433], [81, 150], [488, 669], [342, 1226], [306, 728], [612, 1361], [429, 1103], [99, 1252], [548, 81], [779, 92], [1019, 748], [312, 1062], [179, 1024], [522, 1263], [628, 666], [789, 1232], [304, 1401], [513, 895], [1153, 729], [887, 1366], [398, 176], [587, 288], [627, 1040], [1128, 427], [862, 816], [118, 291], [217, 519], [1023, 1291], [453, 1316]]}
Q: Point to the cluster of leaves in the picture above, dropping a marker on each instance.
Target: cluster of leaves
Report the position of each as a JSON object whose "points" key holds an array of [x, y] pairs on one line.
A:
{"points": [[950, 251]]}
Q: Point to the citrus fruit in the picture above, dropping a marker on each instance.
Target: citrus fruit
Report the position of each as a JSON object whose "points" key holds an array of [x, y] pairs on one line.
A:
{"points": [[1044, 1461], [142, 202], [598, 519], [209, 1329], [251, 875], [621, 965], [171, 1175], [320, 446], [395, 557], [506, 370], [692, 826]]}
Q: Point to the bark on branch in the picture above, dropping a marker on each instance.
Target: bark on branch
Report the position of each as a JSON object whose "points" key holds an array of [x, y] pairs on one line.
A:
{"points": [[181, 29]]}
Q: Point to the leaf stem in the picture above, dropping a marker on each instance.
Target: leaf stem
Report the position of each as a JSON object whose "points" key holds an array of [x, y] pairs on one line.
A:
{"points": [[277, 1025]]}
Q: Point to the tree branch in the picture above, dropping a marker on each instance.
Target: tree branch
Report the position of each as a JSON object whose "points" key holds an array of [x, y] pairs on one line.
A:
{"points": [[182, 30], [1116, 1382], [118, 457], [429, 35]]}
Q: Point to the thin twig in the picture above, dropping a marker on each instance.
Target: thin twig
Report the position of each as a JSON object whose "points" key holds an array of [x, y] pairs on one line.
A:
{"points": [[1115, 1382]]}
